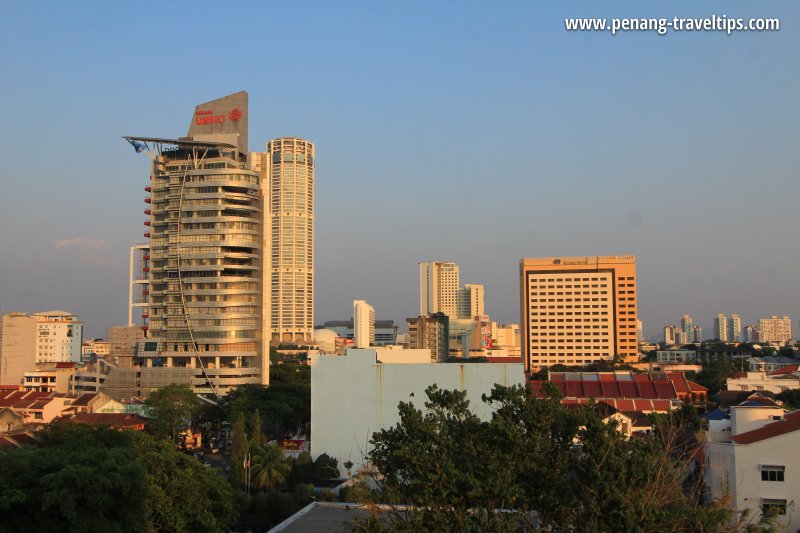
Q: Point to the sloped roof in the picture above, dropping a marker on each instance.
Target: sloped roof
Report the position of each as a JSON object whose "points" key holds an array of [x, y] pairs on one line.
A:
{"points": [[642, 405], [789, 424], [791, 369], [116, 420], [655, 385], [716, 414]]}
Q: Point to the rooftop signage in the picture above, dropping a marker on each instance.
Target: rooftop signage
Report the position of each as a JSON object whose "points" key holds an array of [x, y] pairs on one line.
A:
{"points": [[207, 116]]}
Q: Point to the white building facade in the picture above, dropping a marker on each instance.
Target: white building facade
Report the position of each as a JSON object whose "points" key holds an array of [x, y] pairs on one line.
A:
{"points": [[355, 395], [752, 462], [363, 324], [59, 337]]}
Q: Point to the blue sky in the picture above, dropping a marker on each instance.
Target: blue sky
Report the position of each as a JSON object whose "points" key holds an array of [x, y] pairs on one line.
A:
{"points": [[473, 132]]}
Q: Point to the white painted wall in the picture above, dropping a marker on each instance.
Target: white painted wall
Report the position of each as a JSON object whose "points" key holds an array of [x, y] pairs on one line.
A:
{"points": [[352, 396]]}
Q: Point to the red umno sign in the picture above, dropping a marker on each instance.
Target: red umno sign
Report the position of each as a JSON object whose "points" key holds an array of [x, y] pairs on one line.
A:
{"points": [[202, 118], [207, 116]]}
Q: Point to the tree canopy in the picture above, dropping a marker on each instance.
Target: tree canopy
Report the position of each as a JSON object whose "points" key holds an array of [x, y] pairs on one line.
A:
{"points": [[82, 479], [536, 460], [173, 407]]}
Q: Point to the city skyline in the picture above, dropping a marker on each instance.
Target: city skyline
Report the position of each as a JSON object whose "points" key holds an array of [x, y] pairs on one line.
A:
{"points": [[576, 153]]}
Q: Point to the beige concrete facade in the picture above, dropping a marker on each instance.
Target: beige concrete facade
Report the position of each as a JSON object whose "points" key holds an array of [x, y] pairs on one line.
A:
{"points": [[775, 329], [205, 265], [430, 332], [205, 221], [577, 310], [471, 301], [123, 341], [438, 288], [17, 347], [288, 176]]}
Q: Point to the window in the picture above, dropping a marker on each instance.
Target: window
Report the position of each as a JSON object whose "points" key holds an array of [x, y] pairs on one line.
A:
{"points": [[775, 506], [772, 473]]}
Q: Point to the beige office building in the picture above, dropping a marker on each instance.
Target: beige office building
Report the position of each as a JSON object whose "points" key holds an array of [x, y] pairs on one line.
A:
{"points": [[431, 332], [470, 301], [17, 347], [438, 288], [578, 310], [204, 224], [775, 329], [59, 337], [288, 175]]}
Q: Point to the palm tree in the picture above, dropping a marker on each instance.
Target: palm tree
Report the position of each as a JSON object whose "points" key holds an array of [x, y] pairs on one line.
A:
{"points": [[268, 468]]}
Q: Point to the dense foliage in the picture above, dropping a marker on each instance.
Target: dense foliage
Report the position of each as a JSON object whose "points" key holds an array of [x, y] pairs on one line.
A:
{"points": [[536, 460], [172, 407], [81, 479], [285, 405]]}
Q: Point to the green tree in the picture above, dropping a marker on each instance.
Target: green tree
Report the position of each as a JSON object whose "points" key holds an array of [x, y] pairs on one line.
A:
{"points": [[255, 430], [790, 397], [268, 468], [575, 472], [173, 407], [284, 406], [715, 374], [80, 479], [239, 448]]}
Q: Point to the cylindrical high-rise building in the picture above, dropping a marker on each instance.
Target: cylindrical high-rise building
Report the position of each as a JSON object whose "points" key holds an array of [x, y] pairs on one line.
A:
{"points": [[288, 173]]}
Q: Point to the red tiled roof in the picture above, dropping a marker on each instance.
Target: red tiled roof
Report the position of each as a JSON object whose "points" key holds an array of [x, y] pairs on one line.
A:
{"points": [[626, 404], [66, 365], [504, 359], [22, 399], [791, 369], [114, 420], [655, 386], [789, 424], [8, 387]]}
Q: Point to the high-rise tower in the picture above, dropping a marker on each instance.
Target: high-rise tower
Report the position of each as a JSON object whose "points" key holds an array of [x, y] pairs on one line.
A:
{"points": [[204, 224], [288, 172], [721, 327], [438, 288]]}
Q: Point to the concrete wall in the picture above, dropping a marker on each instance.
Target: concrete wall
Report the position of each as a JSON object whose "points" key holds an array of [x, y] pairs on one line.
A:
{"points": [[17, 348], [352, 396], [734, 470]]}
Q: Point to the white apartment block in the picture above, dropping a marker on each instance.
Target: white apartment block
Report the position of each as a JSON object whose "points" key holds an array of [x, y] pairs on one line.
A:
{"points": [[775, 329], [762, 381], [735, 328], [752, 462], [721, 327], [59, 337], [363, 324]]}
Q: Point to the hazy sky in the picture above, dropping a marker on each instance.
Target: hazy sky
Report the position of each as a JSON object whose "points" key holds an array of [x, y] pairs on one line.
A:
{"points": [[473, 132]]}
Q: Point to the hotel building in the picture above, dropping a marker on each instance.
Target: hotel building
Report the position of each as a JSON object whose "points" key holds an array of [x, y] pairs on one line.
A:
{"points": [[578, 310], [438, 288], [774, 329]]}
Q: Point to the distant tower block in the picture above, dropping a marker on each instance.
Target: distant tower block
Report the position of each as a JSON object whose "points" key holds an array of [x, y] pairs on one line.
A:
{"points": [[288, 175]]}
